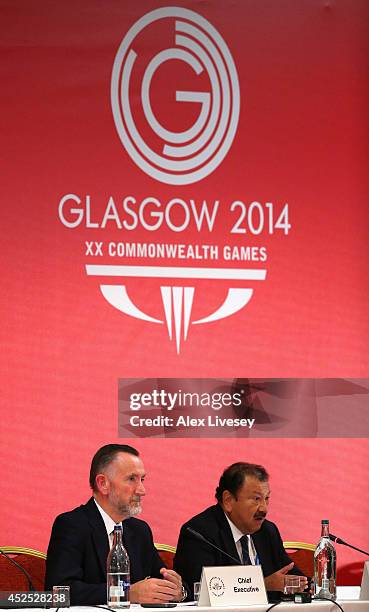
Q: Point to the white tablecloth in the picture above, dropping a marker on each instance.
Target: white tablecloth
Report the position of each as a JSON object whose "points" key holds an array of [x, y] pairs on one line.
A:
{"points": [[315, 606]]}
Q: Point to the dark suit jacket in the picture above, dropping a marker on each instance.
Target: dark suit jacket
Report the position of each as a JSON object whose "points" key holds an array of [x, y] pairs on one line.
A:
{"points": [[79, 548], [193, 554]]}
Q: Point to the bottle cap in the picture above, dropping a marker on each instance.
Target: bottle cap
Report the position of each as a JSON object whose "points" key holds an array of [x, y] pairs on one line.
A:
{"points": [[325, 522]]}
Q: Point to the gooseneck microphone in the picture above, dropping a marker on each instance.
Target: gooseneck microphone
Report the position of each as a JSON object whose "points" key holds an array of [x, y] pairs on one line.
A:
{"points": [[22, 569], [199, 536], [339, 541]]}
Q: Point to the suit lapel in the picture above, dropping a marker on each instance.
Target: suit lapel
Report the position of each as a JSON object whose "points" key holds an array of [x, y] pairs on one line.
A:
{"points": [[259, 543], [129, 545], [99, 535], [227, 541], [139, 548], [128, 539]]}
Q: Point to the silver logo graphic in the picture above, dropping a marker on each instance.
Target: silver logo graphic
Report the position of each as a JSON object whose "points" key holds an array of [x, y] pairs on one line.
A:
{"points": [[191, 155]]}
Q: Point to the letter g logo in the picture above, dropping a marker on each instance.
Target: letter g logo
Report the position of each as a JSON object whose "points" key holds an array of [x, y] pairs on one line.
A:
{"points": [[176, 157]]}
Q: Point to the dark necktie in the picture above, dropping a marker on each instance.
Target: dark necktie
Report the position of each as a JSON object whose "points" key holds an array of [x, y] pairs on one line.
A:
{"points": [[245, 550]]}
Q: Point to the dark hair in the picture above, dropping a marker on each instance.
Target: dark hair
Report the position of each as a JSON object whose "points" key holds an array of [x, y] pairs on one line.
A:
{"points": [[234, 476], [105, 455]]}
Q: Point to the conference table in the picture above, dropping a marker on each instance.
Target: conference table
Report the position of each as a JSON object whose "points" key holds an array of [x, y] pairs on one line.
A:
{"points": [[315, 606]]}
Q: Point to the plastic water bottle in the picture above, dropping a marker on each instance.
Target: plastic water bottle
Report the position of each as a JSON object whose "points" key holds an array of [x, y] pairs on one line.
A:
{"points": [[117, 573], [325, 565]]}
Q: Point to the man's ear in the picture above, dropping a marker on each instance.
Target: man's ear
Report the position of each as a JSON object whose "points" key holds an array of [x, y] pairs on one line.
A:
{"points": [[227, 501], [102, 484]]}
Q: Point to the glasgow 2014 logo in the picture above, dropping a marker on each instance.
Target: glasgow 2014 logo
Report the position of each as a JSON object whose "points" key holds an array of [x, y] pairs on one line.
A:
{"points": [[180, 158], [210, 112]]}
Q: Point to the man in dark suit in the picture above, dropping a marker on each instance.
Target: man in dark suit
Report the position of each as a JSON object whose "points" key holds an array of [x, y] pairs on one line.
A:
{"points": [[81, 539], [237, 526]]}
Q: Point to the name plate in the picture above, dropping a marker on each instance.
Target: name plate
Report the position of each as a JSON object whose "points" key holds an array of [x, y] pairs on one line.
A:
{"points": [[364, 591], [232, 585]]}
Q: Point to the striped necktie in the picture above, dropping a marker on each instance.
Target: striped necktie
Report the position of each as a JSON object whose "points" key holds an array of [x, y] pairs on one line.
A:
{"points": [[245, 550], [111, 536]]}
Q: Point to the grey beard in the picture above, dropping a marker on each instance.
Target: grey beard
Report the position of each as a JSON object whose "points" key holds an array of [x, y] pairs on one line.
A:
{"points": [[137, 509]]}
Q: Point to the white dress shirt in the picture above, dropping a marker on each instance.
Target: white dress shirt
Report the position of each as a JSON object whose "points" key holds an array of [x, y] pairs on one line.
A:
{"points": [[108, 522], [237, 535]]}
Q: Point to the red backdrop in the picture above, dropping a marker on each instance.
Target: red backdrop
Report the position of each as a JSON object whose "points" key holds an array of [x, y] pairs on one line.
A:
{"points": [[300, 139]]}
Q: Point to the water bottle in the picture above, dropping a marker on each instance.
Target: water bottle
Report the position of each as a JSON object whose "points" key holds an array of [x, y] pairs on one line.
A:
{"points": [[117, 573], [325, 565]]}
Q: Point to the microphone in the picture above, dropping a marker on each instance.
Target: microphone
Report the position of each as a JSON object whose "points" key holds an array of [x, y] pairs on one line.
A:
{"points": [[199, 536], [22, 569], [339, 541]]}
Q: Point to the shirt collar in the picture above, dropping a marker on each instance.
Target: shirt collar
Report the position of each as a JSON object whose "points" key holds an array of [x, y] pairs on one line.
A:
{"points": [[108, 521], [237, 534]]}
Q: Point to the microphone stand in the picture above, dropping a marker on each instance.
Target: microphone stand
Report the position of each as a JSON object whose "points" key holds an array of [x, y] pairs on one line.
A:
{"points": [[22, 569], [199, 536], [339, 541]]}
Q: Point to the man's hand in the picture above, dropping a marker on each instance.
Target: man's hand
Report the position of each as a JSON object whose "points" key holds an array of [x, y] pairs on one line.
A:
{"points": [[175, 579], [157, 590], [275, 582]]}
